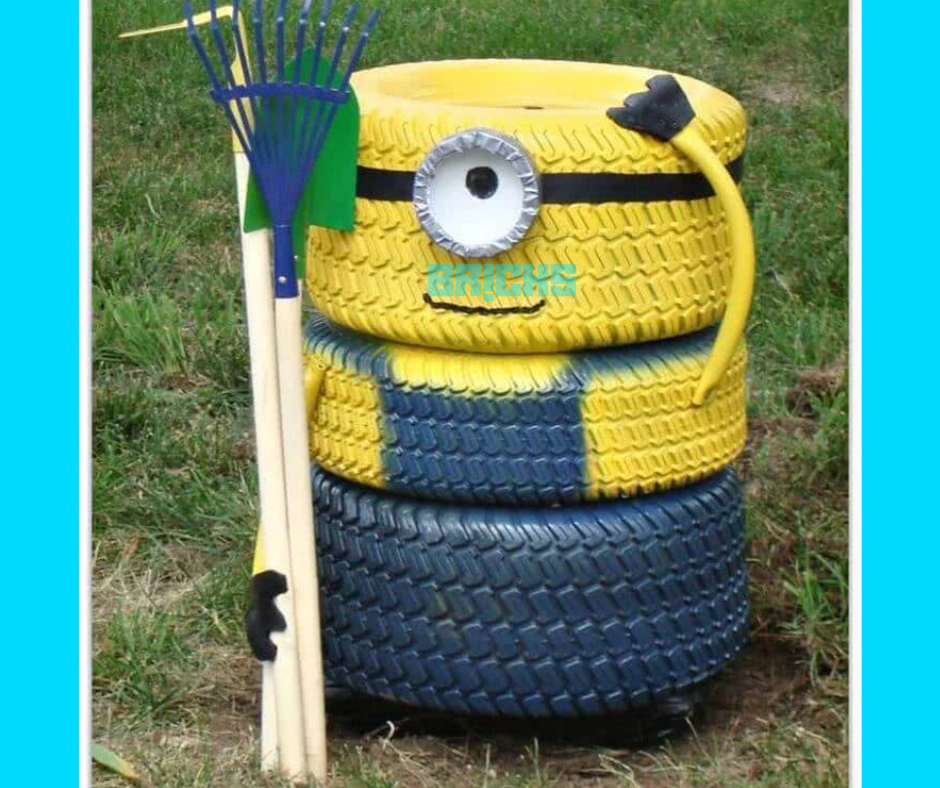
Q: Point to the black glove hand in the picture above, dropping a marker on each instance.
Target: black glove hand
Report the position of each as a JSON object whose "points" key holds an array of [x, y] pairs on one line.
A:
{"points": [[262, 617], [663, 111]]}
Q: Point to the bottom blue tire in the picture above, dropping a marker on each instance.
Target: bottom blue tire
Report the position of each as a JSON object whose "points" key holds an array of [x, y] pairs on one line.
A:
{"points": [[531, 612]]}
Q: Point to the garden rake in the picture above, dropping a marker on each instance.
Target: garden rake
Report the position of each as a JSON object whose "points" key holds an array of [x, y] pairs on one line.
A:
{"points": [[281, 121], [259, 308]]}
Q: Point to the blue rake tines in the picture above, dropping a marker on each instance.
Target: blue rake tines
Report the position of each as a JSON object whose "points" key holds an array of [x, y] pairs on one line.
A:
{"points": [[281, 120]]}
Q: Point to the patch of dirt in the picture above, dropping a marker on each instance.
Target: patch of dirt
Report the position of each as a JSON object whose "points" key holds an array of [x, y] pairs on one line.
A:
{"points": [[234, 727], [764, 683], [812, 384], [790, 94], [785, 90], [424, 749], [759, 430], [772, 435]]}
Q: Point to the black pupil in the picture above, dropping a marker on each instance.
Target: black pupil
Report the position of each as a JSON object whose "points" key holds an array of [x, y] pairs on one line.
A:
{"points": [[482, 182]]}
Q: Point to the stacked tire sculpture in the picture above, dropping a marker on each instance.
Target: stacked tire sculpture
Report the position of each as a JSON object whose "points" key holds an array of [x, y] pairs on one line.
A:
{"points": [[520, 512]]}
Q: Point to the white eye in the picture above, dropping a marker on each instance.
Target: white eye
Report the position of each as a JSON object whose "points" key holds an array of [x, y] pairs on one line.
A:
{"points": [[477, 193]]}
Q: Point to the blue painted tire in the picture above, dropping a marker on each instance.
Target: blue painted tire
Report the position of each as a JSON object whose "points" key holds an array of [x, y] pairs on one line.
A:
{"points": [[526, 612]]}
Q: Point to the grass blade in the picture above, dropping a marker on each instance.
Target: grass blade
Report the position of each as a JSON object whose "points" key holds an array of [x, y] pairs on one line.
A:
{"points": [[115, 763]]}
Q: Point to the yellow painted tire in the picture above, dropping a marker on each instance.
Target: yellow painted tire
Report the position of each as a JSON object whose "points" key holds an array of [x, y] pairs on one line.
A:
{"points": [[533, 429], [645, 270]]}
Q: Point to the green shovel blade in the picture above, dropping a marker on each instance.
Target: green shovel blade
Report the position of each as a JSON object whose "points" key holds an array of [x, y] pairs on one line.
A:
{"points": [[329, 198]]}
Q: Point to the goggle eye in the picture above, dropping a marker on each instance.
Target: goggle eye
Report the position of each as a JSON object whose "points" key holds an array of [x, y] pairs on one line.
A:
{"points": [[477, 193]]}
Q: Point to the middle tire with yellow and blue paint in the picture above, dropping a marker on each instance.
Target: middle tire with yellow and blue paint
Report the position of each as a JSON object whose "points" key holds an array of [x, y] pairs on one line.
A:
{"points": [[532, 429]]}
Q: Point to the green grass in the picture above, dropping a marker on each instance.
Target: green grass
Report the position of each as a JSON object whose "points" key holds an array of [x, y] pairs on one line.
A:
{"points": [[174, 481]]}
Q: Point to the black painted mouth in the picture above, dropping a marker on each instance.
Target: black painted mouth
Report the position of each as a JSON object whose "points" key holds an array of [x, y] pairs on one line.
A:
{"points": [[483, 310]]}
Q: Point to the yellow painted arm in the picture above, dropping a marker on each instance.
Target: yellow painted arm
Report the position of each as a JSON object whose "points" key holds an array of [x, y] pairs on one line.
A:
{"points": [[690, 142], [664, 111]]}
